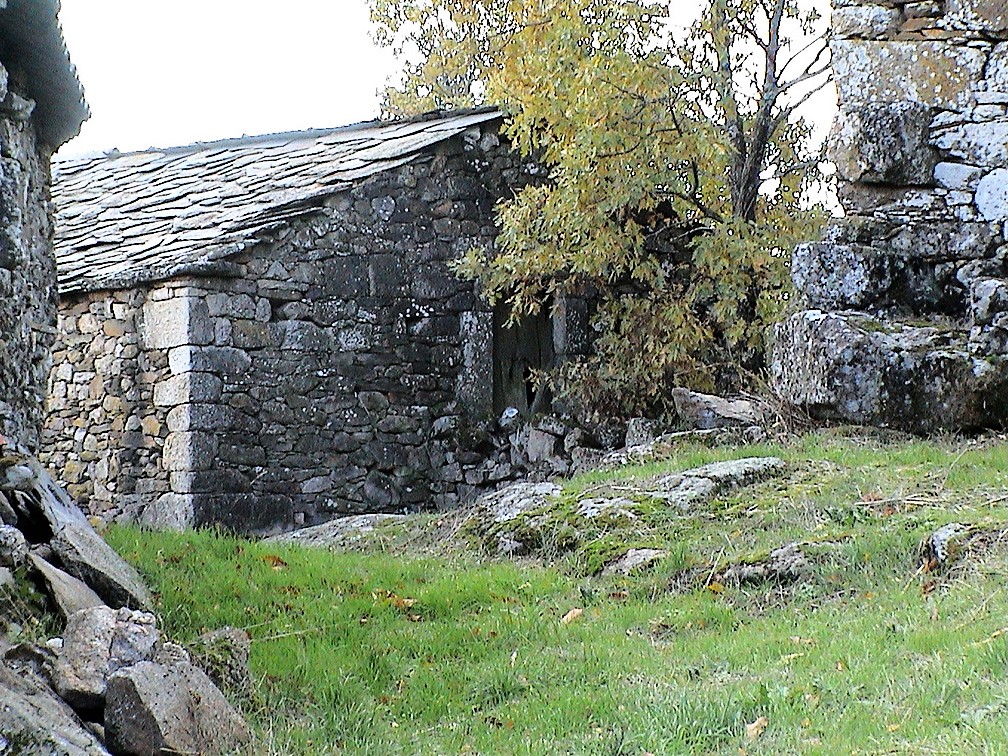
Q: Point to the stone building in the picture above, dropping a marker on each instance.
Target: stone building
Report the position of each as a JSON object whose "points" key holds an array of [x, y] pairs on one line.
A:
{"points": [[904, 318], [264, 331], [41, 107]]}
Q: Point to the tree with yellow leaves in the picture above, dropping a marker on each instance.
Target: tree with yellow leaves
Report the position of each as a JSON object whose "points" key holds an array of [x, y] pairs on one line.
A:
{"points": [[680, 168]]}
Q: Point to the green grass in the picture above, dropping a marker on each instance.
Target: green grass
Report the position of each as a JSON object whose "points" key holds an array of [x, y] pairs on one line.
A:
{"points": [[453, 651]]}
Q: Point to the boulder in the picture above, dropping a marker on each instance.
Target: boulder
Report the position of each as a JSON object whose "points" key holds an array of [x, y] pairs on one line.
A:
{"points": [[46, 513], [988, 298], [684, 490], [854, 368], [865, 21], [884, 143], [511, 502], [338, 532], [35, 722], [224, 655], [932, 73], [98, 642], [47, 501], [992, 195], [85, 555], [151, 709], [835, 276], [7, 514]]}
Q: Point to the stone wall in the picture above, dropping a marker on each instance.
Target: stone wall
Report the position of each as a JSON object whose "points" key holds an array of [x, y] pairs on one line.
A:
{"points": [[107, 408], [27, 267], [338, 366], [905, 319]]}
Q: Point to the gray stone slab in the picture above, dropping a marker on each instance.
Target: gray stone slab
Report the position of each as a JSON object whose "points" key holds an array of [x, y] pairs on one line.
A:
{"points": [[70, 594], [35, 722], [85, 555]]}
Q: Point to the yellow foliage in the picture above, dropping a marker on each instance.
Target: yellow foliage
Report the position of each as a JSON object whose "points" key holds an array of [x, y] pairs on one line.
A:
{"points": [[647, 133]]}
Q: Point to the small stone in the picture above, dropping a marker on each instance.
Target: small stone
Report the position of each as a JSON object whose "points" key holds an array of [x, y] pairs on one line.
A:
{"points": [[509, 418], [784, 565], [617, 509], [169, 654], [641, 431], [706, 411], [508, 546], [444, 427], [13, 547], [633, 561], [957, 175]]}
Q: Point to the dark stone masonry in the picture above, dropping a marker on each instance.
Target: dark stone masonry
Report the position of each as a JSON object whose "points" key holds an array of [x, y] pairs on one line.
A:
{"points": [[41, 107], [331, 362]]}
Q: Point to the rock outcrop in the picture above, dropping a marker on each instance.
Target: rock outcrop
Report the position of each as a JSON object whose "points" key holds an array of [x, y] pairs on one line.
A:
{"points": [[904, 319], [524, 517]]}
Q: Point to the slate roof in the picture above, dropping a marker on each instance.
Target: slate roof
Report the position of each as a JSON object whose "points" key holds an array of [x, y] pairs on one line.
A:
{"points": [[31, 38], [129, 218]]}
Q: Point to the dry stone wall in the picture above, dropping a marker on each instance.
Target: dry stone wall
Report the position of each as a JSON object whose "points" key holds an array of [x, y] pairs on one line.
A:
{"points": [[106, 411], [338, 367], [905, 319], [27, 268]]}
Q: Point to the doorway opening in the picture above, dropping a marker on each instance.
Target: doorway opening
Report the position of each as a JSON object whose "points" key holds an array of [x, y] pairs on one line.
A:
{"points": [[521, 351]]}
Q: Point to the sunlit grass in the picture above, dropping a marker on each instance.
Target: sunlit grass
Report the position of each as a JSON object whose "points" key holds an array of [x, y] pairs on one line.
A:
{"points": [[457, 652]]}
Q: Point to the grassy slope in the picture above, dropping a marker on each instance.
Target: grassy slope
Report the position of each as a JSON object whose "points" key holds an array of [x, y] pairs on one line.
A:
{"points": [[448, 652]]}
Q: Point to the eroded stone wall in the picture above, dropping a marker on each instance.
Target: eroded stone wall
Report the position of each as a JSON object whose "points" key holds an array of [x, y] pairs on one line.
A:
{"points": [[906, 302], [27, 268], [337, 368]]}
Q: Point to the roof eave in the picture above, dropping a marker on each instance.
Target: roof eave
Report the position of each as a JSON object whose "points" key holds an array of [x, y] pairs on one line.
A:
{"points": [[31, 37]]}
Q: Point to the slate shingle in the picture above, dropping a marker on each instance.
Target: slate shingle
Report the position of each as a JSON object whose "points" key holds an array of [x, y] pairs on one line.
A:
{"points": [[129, 218]]}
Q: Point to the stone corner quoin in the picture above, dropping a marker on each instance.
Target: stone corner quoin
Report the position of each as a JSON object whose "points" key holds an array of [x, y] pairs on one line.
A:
{"points": [[904, 319]]}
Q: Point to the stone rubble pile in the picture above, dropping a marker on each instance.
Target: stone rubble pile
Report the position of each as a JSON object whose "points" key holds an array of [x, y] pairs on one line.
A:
{"points": [[904, 319], [493, 454], [112, 683]]}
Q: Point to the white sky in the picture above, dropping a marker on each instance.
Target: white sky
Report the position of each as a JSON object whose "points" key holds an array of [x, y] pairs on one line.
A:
{"points": [[170, 72]]}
